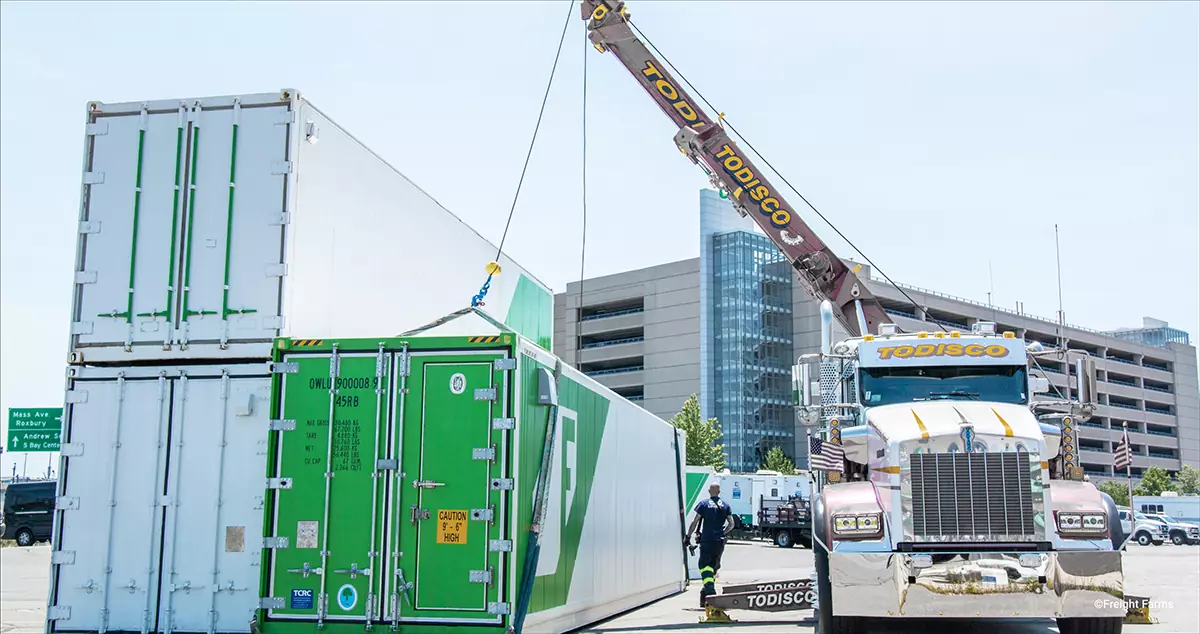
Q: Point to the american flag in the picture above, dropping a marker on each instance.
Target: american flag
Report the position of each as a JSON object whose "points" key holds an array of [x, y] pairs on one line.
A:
{"points": [[824, 456], [1123, 456]]}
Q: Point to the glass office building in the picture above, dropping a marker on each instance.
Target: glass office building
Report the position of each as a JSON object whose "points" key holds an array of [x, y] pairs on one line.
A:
{"points": [[747, 295]]}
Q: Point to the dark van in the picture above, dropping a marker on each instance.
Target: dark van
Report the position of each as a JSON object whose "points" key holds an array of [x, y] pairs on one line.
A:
{"points": [[28, 512]]}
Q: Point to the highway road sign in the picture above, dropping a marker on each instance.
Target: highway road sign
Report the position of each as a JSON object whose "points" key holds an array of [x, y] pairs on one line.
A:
{"points": [[34, 428]]}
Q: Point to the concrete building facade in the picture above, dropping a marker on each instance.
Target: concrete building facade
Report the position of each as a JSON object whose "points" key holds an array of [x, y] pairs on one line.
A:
{"points": [[716, 326]]}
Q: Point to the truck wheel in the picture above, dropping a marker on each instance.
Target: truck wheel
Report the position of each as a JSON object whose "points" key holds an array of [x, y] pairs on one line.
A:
{"points": [[783, 539], [1178, 539], [1144, 538], [827, 623], [24, 537], [1110, 625]]}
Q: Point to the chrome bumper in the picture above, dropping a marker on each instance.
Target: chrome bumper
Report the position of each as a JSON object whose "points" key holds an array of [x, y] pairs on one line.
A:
{"points": [[987, 585]]}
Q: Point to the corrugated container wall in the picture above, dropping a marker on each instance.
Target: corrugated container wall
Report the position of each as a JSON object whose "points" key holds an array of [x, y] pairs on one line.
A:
{"points": [[208, 227], [437, 446]]}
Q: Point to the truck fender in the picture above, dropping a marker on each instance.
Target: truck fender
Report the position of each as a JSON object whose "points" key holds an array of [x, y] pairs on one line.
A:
{"points": [[1115, 532]]}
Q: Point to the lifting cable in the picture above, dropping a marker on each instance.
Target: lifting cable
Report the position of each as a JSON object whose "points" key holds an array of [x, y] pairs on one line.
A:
{"points": [[494, 268], [725, 121], [583, 232]]}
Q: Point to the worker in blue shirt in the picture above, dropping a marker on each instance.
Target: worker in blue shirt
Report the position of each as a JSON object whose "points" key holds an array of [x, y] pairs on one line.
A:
{"points": [[714, 520]]}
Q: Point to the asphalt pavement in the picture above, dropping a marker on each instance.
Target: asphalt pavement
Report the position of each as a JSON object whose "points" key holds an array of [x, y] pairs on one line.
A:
{"points": [[1167, 574]]}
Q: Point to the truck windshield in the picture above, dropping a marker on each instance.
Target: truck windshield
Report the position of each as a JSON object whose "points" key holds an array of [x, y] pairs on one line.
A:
{"points": [[1002, 384]]}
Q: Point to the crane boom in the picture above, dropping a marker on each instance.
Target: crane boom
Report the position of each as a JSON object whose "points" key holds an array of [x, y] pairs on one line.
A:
{"points": [[729, 169]]}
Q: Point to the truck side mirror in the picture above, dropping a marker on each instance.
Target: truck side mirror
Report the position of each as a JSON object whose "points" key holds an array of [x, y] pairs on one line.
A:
{"points": [[1039, 385], [1085, 377]]}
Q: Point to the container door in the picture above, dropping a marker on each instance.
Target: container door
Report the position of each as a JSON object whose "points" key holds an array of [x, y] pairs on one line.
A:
{"points": [[213, 535], [231, 266], [128, 238], [330, 489], [110, 520], [450, 503]]}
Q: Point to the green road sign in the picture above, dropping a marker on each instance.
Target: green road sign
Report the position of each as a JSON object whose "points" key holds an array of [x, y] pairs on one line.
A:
{"points": [[34, 428]]}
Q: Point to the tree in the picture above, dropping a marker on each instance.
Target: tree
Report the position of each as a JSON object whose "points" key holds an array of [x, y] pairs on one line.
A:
{"points": [[703, 446], [1187, 481], [778, 461], [1154, 481], [1119, 491]]}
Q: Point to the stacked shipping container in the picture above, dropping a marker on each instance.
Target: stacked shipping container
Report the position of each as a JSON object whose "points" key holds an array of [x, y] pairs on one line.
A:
{"points": [[199, 244], [209, 229]]}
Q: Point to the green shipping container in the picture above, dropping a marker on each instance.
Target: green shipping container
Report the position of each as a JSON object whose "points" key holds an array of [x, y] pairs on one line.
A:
{"points": [[413, 509]]}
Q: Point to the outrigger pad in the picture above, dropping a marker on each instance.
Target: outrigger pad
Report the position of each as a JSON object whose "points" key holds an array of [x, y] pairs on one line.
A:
{"points": [[715, 615]]}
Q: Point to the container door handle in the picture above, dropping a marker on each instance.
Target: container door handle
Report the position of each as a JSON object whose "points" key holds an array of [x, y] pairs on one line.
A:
{"points": [[306, 570], [354, 571], [427, 484], [405, 587]]}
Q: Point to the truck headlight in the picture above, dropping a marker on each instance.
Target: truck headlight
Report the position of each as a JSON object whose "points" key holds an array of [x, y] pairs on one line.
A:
{"points": [[858, 525], [1082, 523]]}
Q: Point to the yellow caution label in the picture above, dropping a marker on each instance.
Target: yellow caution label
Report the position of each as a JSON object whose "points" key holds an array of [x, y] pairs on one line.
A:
{"points": [[306, 343], [452, 527], [495, 339]]}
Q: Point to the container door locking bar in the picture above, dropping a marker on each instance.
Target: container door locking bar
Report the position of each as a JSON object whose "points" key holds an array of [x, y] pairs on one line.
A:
{"points": [[427, 484], [306, 570]]}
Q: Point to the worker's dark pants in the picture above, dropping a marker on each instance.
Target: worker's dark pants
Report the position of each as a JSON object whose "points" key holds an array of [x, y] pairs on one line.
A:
{"points": [[710, 563]]}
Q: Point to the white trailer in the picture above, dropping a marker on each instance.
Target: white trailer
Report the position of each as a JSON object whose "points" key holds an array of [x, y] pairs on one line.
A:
{"points": [[209, 226]]}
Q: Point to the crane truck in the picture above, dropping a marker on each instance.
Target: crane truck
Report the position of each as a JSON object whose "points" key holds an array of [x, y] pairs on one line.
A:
{"points": [[960, 492]]}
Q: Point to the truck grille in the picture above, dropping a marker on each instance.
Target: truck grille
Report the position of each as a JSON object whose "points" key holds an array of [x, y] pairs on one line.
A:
{"points": [[959, 494]]}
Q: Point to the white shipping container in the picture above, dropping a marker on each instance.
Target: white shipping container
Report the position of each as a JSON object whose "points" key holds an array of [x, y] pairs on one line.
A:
{"points": [[209, 226], [158, 521]]}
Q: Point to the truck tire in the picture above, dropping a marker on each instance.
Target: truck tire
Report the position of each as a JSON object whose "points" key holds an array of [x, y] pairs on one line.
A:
{"points": [[1110, 625], [827, 623], [1144, 538], [24, 537], [783, 539], [1178, 538]]}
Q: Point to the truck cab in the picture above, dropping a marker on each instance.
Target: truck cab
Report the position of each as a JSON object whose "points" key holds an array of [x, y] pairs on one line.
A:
{"points": [[960, 493]]}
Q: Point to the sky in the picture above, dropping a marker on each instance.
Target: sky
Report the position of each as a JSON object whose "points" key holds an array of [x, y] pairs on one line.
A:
{"points": [[945, 139]]}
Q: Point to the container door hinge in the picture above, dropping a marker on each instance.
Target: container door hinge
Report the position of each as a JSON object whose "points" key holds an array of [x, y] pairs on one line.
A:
{"points": [[275, 542], [279, 483], [285, 117], [283, 424], [485, 394], [480, 576], [505, 364], [287, 367], [59, 613], [90, 226], [281, 219], [281, 167], [383, 464], [484, 515], [276, 270], [62, 557], [272, 603], [93, 178], [498, 608], [504, 424], [500, 545], [502, 484], [274, 322], [86, 277], [71, 449], [81, 328], [100, 128], [483, 453], [76, 396], [66, 503]]}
